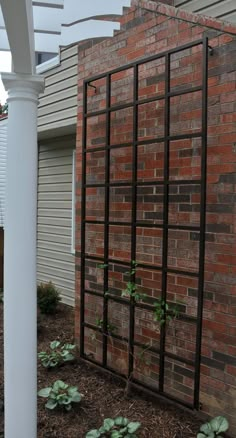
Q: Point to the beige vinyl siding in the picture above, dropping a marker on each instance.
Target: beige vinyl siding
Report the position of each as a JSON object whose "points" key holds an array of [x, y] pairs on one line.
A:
{"points": [[58, 104], [3, 164], [223, 9], [55, 260]]}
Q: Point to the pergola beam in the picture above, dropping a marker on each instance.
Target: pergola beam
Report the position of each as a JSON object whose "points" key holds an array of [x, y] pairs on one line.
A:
{"points": [[18, 18]]}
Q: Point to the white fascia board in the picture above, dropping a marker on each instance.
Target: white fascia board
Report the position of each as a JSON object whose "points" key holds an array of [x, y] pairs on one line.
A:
{"points": [[47, 3], [87, 29], [18, 19], [45, 66]]}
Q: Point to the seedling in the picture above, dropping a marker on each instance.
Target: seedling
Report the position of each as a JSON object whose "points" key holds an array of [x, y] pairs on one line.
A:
{"points": [[163, 312], [131, 290], [111, 328]]}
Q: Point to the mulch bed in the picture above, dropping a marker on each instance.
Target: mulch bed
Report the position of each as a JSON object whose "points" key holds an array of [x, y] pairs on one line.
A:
{"points": [[103, 395]]}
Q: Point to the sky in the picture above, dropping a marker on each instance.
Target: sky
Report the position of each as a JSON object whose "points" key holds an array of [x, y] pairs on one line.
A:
{"points": [[5, 65]]}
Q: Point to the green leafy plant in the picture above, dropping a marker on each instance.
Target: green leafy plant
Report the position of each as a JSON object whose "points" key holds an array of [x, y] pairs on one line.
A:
{"points": [[48, 297], [163, 312], [102, 265], [3, 109], [214, 428], [111, 328], [58, 354], [118, 427], [131, 290], [140, 358], [60, 395]]}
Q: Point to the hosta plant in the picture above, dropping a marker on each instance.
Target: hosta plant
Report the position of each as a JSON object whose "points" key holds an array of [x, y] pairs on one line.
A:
{"points": [[60, 394], [214, 428], [58, 354], [118, 427]]}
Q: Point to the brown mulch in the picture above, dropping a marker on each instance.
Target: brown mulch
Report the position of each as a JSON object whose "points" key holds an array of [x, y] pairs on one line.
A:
{"points": [[103, 395]]}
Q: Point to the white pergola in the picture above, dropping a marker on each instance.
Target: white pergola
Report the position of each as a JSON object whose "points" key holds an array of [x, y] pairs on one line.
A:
{"points": [[62, 22], [22, 31]]}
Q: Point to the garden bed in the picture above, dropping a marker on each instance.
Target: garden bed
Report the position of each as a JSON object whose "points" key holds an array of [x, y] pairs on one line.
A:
{"points": [[104, 396]]}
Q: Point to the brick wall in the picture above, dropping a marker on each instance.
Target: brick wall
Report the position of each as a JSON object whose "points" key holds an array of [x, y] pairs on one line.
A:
{"points": [[143, 34]]}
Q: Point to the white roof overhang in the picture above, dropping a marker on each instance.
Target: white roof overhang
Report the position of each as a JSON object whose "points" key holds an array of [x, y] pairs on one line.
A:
{"points": [[27, 26]]}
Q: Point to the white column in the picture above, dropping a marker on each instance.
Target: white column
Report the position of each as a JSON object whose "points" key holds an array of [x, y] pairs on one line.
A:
{"points": [[20, 309]]}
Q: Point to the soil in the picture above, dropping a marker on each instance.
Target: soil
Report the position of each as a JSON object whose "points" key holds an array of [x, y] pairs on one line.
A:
{"points": [[104, 396]]}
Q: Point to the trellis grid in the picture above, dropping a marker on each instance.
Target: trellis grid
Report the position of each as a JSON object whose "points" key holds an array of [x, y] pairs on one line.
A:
{"points": [[166, 184]]}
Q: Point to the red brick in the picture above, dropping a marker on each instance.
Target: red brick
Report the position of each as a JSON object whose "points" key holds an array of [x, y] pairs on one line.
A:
{"points": [[219, 325]]}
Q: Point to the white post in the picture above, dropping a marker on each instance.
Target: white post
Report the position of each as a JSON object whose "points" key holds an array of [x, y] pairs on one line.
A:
{"points": [[20, 309]]}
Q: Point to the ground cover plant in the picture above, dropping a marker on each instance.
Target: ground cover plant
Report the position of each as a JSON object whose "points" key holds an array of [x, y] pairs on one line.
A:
{"points": [[118, 427], [60, 394], [214, 428], [57, 355], [103, 395]]}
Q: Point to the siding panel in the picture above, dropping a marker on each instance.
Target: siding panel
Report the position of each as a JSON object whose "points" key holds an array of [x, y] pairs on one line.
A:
{"points": [[57, 161], [53, 107], [54, 238], [56, 255], [68, 52], [58, 87], [54, 170], [50, 213], [54, 221], [56, 97], [224, 9], [55, 261], [56, 247], [59, 100], [54, 204], [55, 179], [57, 116]]}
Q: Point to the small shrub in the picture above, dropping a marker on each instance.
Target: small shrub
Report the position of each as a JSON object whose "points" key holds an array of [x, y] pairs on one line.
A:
{"points": [[58, 354], [118, 428], [213, 429], [48, 297], [60, 395]]}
